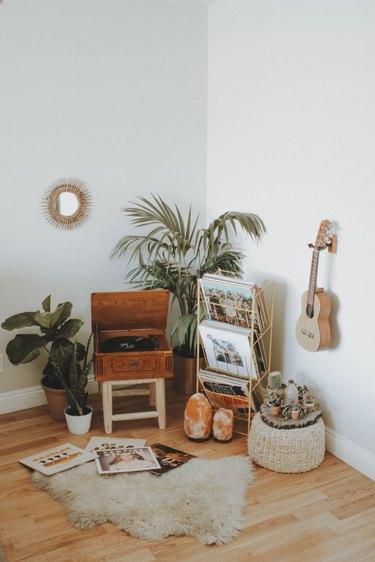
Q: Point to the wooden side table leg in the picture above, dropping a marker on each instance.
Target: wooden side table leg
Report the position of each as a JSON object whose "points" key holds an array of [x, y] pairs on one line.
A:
{"points": [[107, 406], [152, 391], [160, 402]]}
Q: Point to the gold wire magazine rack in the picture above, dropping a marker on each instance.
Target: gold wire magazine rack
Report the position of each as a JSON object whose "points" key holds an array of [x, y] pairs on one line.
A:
{"points": [[235, 332]]}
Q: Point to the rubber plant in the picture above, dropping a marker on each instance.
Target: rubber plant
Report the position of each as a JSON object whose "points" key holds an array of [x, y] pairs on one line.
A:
{"points": [[55, 339], [173, 252]]}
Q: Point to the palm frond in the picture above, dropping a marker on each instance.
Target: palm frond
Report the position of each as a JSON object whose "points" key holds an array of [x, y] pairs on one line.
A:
{"points": [[175, 252]]}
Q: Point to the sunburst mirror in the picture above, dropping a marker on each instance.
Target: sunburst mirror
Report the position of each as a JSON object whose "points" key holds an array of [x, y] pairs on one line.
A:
{"points": [[66, 203]]}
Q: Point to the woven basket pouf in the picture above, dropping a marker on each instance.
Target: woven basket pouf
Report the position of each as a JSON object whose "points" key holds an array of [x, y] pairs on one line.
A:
{"points": [[286, 450]]}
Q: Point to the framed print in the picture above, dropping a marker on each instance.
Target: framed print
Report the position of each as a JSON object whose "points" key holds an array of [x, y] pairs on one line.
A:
{"points": [[227, 348], [228, 299]]}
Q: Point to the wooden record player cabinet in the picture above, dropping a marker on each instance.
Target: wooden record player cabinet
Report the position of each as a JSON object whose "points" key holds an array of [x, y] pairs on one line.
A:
{"points": [[132, 313]]}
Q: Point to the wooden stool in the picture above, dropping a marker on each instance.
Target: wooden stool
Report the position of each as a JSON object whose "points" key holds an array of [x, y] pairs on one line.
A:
{"points": [[134, 324], [156, 391]]}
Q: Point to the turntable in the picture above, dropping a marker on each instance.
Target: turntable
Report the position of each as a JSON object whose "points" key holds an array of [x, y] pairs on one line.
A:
{"points": [[129, 333], [125, 344]]}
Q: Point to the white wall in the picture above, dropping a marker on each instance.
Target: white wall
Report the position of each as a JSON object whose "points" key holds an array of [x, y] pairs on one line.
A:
{"points": [[114, 94], [291, 125]]}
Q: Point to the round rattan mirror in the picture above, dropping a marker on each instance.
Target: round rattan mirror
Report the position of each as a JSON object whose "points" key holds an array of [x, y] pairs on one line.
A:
{"points": [[66, 203]]}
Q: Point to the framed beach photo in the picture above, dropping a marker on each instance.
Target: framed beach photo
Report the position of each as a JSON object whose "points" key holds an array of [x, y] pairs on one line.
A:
{"points": [[228, 299], [227, 348], [126, 459]]}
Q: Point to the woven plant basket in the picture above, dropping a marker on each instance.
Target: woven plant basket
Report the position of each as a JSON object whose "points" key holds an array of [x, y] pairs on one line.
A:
{"points": [[287, 450]]}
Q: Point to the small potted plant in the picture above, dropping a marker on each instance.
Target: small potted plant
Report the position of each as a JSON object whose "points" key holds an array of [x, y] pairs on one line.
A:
{"points": [[274, 402], [77, 413], [296, 411], [302, 390], [55, 340], [275, 380], [292, 410], [309, 403]]}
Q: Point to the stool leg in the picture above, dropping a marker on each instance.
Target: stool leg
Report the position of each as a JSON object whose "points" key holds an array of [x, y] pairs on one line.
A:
{"points": [[160, 402], [152, 391], [100, 392], [107, 406]]}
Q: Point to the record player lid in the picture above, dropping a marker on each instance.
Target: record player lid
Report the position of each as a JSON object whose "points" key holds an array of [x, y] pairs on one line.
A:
{"points": [[130, 310]]}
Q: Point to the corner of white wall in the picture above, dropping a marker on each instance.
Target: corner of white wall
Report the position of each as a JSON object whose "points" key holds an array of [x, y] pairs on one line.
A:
{"points": [[350, 453]]}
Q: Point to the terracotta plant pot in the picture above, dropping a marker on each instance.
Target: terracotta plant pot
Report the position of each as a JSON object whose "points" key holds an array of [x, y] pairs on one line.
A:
{"points": [[309, 407], [295, 414], [185, 373], [56, 401], [275, 410]]}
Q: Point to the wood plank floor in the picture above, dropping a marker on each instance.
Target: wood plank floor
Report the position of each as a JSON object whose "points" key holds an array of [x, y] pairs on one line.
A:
{"points": [[327, 514]]}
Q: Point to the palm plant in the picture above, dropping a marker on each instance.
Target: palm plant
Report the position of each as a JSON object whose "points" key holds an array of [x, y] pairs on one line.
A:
{"points": [[174, 253]]}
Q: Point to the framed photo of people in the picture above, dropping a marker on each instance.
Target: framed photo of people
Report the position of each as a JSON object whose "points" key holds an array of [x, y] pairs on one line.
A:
{"points": [[228, 300]]}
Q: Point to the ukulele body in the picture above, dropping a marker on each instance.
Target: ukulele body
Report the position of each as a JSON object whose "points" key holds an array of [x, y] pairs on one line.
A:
{"points": [[314, 333]]}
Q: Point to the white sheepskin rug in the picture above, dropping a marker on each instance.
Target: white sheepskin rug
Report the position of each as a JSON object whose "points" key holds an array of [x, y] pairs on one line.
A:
{"points": [[204, 499]]}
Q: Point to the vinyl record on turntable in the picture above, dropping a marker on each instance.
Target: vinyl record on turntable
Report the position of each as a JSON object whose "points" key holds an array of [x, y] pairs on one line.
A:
{"points": [[123, 344]]}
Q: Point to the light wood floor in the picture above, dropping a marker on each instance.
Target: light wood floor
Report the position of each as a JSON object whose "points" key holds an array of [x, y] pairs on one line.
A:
{"points": [[327, 514]]}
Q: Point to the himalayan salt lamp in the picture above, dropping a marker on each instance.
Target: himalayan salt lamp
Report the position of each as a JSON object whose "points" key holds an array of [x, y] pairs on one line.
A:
{"points": [[198, 418], [223, 425]]}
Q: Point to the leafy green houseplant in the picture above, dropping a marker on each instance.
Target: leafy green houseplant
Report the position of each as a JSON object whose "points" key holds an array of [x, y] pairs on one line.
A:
{"points": [[76, 382], [172, 252], [56, 330]]}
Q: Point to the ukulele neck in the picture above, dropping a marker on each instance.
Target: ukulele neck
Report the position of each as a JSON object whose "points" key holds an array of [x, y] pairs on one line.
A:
{"points": [[312, 282]]}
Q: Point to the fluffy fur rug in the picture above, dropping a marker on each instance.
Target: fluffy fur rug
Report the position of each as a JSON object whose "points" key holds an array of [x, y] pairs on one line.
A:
{"points": [[203, 499]]}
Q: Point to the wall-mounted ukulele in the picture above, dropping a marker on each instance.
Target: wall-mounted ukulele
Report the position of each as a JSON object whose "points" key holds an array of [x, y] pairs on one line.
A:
{"points": [[312, 330]]}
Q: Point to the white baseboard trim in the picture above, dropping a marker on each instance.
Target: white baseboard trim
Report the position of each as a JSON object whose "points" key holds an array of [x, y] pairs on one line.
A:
{"points": [[24, 398], [351, 453]]}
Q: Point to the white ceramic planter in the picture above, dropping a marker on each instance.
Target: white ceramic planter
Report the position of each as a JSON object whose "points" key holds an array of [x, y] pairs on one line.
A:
{"points": [[79, 424]]}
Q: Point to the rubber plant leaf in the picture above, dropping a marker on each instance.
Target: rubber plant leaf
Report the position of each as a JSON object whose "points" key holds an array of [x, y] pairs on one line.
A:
{"points": [[61, 314], [24, 348], [70, 328], [21, 320], [46, 304]]}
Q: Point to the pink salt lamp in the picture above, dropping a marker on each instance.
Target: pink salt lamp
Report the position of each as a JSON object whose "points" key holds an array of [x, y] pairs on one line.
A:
{"points": [[198, 418], [223, 425]]}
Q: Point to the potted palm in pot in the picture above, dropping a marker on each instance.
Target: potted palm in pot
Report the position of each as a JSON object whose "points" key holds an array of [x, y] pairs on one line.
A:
{"points": [[172, 252], [77, 412], [56, 330]]}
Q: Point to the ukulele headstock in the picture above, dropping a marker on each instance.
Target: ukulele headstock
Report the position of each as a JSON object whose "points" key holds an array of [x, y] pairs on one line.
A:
{"points": [[326, 237]]}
